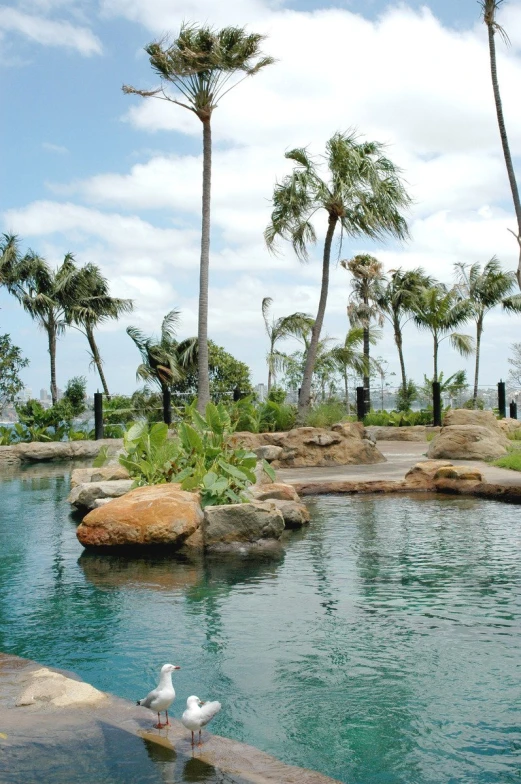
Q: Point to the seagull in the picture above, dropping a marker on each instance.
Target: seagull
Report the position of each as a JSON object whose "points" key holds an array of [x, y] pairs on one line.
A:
{"points": [[198, 714], [160, 698]]}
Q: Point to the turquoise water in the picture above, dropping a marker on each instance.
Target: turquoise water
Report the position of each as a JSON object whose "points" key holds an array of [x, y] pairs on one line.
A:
{"points": [[383, 646]]}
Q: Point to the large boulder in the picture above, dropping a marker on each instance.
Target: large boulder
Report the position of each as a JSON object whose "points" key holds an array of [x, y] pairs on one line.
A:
{"points": [[37, 451], [468, 416], [84, 496], [469, 442], [246, 523], [344, 444], [273, 490], [294, 513], [154, 515], [509, 426]]}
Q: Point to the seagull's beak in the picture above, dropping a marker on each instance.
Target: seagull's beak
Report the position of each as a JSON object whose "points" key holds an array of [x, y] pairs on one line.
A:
{"points": [[177, 667], [202, 702]]}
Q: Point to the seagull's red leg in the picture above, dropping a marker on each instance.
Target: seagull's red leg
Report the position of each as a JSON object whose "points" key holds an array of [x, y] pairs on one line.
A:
{"points": [[158, 726], [167, 722], [193, 741], [200, 741]]}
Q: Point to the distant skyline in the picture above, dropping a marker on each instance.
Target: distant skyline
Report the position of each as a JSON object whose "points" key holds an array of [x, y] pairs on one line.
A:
{"points": [[115, 179]]}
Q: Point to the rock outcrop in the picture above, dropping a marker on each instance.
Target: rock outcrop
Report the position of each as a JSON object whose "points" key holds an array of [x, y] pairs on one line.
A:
{"points": [[509, 426], [107, 473], [154, 515], [469, 435], [346, 443], [412, 433], [241, 523], [64, 450], [85, 495], [48, 687], [294, 513]]}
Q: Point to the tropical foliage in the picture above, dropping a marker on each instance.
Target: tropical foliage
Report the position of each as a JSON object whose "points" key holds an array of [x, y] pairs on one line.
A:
{"points": [[361, 193], [12, 362]]}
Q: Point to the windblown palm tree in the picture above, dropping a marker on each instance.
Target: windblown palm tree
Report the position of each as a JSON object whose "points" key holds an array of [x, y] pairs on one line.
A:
{"points": [[489, 9], [295, 325], [362, 194], [395, 300], [485, 290], [348, 357], [363, 309], [165, 360], [202, 65], [440, 311], [48, 296], [96, 308]]}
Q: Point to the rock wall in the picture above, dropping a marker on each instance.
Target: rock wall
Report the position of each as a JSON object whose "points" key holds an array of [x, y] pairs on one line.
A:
{"points": [[40, 451]]}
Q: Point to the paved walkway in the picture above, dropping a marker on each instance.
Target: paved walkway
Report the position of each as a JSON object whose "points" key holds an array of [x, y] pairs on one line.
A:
{"points": [[401, 455]]}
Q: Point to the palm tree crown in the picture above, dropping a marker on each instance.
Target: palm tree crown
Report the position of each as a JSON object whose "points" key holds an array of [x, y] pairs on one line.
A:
{"points": [[362, 192], [484, 290]]}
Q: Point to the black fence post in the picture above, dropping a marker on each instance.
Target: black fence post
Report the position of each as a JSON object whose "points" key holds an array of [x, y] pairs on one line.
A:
{"points": [[436, 404], [502, 399], [360, 403], [513, 409], [167, 407], [367, 400], [98, 415]]}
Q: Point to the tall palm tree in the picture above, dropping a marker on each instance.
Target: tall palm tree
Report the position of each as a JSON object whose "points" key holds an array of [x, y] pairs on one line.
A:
{"points": [[485, 289], [294, 325], [48, 296], [14, 268], [363, 195], [440, 311], [489, 9], [348, 357], [363, 309], [96, 308], [395, 299], [164, 360], [202, 65]]}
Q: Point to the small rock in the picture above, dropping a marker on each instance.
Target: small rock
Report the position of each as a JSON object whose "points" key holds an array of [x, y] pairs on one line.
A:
{"points": [[459, 472], [84, 496], [241, 523], [295, 515], [268, 453], [277, 490]]}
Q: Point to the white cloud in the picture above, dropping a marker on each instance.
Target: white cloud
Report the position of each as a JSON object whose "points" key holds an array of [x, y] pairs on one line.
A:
{"points": [[50, 32], [57, 148]]}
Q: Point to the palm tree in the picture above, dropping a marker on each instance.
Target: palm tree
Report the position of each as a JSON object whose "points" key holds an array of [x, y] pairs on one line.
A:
{"points": [[363, 195], [166, 360], [48, 296], [395, 300], [362, 309], [96, 308], [347, 356], [489, 8], [295, 325], [14, 268], [485, 290], [440, 310], [200, 64]]}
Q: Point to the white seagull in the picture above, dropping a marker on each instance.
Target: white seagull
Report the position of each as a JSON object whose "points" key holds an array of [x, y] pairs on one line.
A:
{"points": [[198, 714], [160, 698]]}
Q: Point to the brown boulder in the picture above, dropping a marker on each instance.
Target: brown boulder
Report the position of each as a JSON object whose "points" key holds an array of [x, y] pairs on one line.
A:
{"points": [[155, 515], [106, 473], [469, 442], [277, 490], [412, 433], [344, 444], [509, 426], [247, 523], [465, 473], [295, 514], [467, 416]]}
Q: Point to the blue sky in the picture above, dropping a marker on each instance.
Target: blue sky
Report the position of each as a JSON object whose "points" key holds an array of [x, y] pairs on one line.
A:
{"points": [[116, 180]]}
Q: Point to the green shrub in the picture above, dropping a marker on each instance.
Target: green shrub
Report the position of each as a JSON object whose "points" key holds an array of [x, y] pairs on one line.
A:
{"points": [[277, 395], [200, 457], [277, 417], [514, 435], [398, 418], [325, 414]]}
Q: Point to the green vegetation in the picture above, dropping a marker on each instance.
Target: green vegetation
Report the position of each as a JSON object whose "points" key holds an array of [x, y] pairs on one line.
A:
{"points": [[512, 461], [11, 363], [200, 457]]}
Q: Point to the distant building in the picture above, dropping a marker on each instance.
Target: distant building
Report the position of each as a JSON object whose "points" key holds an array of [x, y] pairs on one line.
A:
{"points": [[44, 395], [261, 391]]}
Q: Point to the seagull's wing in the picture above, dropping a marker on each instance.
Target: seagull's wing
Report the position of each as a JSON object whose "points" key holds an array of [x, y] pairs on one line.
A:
{"points": [[151, 696], [208, 711]]}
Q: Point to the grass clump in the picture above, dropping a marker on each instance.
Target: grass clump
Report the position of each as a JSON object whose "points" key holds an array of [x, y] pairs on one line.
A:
{"points": [[511, 461], [326, 414]]}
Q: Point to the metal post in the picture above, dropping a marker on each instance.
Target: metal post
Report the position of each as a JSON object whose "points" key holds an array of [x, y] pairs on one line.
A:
{"points": [[502, 399], [367, 400], [167, 407], [360, 403], [98, 415], [513, 409], [436, 403]]}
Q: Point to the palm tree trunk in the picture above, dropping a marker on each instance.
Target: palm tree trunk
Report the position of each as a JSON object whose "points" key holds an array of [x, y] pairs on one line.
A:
{"points": [[479, 330], [399, 345], [504, 137], [97, 359], [203, 383], [435, 358], [311, 355], [366, 370], [346, 387], [51, 334]]}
